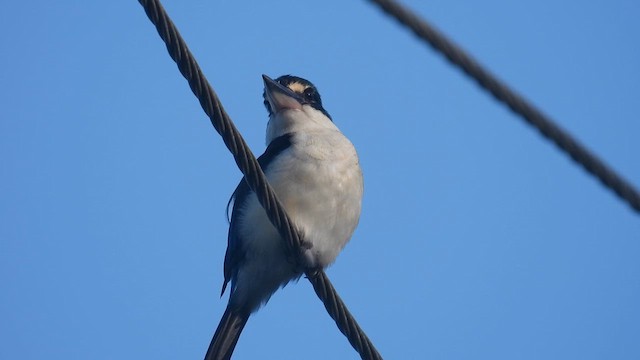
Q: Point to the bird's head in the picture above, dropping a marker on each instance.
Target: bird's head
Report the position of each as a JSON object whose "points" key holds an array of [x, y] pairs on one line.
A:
{"points": [[294, 105], [290, 92]]}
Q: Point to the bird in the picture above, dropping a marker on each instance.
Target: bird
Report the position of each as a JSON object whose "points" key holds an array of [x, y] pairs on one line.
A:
{"points": [[315, 172]]}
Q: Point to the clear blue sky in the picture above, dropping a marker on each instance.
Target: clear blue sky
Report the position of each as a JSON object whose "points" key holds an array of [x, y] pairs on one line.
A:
{"points": [[478, 240]]}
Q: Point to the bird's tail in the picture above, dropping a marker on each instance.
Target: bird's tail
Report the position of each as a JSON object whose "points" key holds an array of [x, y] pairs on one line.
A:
{"points": [[227, 334]]}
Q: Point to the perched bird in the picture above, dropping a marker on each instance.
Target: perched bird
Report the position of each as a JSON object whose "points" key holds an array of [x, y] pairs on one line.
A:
{"points": [[315, 172]]}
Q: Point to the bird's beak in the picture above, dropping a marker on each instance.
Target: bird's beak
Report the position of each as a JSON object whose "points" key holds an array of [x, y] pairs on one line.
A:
{"points": [[281, 97]]}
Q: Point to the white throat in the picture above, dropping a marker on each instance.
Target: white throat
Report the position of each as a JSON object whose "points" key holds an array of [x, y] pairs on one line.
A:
{"points": [[291, 121]]}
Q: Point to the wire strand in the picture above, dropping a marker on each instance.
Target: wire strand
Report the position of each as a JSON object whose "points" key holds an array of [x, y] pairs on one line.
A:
{"points": [[457, 56], [254, 176]]}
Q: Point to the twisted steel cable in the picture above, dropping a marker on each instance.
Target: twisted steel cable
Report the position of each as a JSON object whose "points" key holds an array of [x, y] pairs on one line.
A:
{"points": [[579, 153], [254, 176]]}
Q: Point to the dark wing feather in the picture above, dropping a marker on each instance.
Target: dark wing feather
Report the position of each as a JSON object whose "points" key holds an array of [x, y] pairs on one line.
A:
{"points": [[235, 254]]}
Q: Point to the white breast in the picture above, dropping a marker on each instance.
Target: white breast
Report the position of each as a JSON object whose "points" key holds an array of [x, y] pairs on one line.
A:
{"points": [[320, 184]]}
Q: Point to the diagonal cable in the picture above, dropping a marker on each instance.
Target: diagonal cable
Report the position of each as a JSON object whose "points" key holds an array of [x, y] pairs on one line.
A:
{"points": [[254, 176], [457, 56]]}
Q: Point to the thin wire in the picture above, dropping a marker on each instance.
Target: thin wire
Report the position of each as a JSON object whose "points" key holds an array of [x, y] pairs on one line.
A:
{"points": [[254, 176], [457, 56]]}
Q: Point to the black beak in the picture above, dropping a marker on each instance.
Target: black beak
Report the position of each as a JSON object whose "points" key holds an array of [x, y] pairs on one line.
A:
{"points": [[280, 97]]}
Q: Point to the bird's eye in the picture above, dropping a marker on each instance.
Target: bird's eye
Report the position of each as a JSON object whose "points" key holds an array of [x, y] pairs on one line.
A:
{"points": [[310, 94]]}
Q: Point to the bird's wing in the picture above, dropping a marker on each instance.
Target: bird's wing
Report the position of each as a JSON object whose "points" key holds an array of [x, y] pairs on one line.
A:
{"points": [[235, 253]]}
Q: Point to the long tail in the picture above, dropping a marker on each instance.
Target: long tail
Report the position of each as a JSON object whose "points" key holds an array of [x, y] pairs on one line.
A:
{"points": [[227, 334]]}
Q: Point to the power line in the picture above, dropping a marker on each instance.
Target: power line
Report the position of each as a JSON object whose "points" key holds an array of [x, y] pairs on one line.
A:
{"points": [[457, 56], [254, 176]]}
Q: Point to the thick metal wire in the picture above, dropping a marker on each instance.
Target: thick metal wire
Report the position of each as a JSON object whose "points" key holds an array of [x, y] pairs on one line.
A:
{"points": [[579, 153], [254, 176]]}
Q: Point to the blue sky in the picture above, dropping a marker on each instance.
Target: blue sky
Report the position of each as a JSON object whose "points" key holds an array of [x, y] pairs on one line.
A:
{"points": [[478, 239]]}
